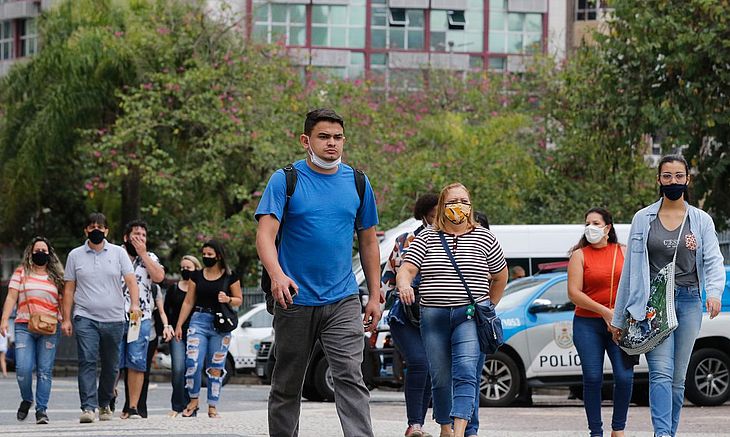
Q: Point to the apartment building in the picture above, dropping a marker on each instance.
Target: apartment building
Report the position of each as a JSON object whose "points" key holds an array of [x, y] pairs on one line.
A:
{"points": [[396, 39], [18, 30]]}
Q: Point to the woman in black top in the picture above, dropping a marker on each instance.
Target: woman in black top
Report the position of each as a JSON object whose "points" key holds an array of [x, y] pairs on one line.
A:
{"points": [[174, 298], [208, 288]]}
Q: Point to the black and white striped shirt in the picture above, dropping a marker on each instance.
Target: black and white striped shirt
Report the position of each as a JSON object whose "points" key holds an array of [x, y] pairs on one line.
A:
{"points": [[477, 253]]}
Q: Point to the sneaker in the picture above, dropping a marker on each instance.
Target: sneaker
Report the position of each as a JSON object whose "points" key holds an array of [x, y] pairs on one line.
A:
{"points": [[87, 416], [23, 410], [105, 413], [132, 413], [41, 418]]}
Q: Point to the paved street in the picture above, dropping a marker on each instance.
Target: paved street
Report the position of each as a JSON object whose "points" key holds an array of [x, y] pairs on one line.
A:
{"points": [[244, 414]]}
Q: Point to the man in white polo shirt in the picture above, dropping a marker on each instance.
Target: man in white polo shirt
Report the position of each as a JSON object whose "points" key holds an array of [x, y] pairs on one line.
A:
{"points": [[94, 293]]}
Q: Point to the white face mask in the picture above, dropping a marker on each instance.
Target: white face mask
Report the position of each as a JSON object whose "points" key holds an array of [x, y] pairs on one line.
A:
{"points": [[594, 234], [319, 162]]}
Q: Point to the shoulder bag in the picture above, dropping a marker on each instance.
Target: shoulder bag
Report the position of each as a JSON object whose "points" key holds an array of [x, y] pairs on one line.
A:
{"points": [[39, 323], [642, 336], [225, 318], [489, 325]]}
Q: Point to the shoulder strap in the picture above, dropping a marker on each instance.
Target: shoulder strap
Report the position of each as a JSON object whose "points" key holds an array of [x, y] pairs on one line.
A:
{"points": [[456, 266], [291, 184], [360, 185], [679, 236]]}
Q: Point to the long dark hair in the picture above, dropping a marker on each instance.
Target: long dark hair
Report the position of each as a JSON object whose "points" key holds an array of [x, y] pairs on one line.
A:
{"points": [[54, 267], [607, 219], [220, 252], [672, 158]]}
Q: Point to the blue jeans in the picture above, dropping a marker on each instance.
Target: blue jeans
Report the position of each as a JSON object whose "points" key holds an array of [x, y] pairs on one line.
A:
{"points": [[668, 363], [97, 340], [134, 355], [417, 382], [179, 399], [39, 351], [593, 341], [452, 348], [202, 336]]}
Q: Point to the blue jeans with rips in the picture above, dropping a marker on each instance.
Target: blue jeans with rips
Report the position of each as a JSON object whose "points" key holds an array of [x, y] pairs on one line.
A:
{"points": [[668, 363], [205, 344], [452, 348], [593, 341], [97, 340], [39, 352]]}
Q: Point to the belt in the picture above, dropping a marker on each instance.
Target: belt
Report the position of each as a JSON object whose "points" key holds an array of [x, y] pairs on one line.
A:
{"points": [[204, 310]]}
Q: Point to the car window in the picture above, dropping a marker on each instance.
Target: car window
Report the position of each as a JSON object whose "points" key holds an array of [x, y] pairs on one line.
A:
{"points": [[557, 294], [261, 319]]}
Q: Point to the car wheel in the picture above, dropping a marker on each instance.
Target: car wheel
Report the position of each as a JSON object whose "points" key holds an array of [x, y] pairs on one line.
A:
{"points": [[500, 381], [323, 381], [708, 377]]}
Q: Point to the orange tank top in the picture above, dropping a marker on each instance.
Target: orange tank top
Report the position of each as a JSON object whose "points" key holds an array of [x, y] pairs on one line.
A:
{"points": [[597, 265]]}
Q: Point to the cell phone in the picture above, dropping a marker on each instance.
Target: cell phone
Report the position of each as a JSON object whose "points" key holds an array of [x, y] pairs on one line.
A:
{"points": [[292, 291]]}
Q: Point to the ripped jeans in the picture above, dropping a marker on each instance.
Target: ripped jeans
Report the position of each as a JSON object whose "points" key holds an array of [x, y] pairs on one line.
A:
{"points": [[205, 346], [34, 351]]}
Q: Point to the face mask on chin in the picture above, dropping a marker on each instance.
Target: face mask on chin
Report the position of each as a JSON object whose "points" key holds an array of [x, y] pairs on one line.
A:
{"points": [[319, 162]]}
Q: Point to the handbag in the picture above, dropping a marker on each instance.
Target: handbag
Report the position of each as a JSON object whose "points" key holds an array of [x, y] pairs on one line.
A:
{"points": [[225, 318], [413, 311], [40, 323], [642, 336], [489, 325]]}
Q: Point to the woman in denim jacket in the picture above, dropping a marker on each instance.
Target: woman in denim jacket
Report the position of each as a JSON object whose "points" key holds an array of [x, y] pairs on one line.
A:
{"points": [[699, 265]]}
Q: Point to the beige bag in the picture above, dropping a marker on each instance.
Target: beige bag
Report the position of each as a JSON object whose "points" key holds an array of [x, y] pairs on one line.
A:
{"points": [[44, 324]]}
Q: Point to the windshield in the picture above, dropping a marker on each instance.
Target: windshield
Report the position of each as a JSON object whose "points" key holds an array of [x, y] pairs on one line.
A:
{"points": [[517, 291]]}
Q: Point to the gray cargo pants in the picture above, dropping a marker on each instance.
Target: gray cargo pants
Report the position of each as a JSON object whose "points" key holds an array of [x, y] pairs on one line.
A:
{"points": [[339, 328]]}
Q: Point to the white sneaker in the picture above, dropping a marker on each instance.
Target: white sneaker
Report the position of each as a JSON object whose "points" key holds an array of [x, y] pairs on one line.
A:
{"points": [[105, 413], [87, 416]]}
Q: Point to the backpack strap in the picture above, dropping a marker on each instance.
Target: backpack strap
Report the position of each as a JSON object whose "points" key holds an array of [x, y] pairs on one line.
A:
{"points": [[360, 185], [291, 184]]}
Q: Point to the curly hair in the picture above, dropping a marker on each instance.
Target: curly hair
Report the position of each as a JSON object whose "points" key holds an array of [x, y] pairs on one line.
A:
{"points": [[54, 267]]}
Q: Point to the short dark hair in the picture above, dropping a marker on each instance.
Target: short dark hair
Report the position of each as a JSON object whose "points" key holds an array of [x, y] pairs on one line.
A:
{"points": [[96, 218], [424, 205], [322, 114], [482, 219], [138, 223]]}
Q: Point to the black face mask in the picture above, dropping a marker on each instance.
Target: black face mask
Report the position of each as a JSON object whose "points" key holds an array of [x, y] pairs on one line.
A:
{"points": [[96, 236], [40, 258], [130, 249], [673, 191], [185, 274], [209, 261]]}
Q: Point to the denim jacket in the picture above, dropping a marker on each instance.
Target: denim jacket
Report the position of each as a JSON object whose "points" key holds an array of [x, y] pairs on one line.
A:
{"points": [[633, 288]]}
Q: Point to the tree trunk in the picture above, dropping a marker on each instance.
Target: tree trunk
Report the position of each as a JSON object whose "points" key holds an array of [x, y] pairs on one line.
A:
{"points": [[130, 197]]}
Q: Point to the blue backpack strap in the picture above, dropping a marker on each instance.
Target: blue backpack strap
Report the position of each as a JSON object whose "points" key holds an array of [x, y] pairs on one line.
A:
{"points": [[360, 185]]}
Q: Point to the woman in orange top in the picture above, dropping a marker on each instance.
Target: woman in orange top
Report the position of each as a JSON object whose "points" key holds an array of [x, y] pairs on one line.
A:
{"points": [[593, 274], [36, 287]]}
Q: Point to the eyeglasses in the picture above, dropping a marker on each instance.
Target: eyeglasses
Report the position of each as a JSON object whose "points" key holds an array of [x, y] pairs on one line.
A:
{"points": [[679, 177]]}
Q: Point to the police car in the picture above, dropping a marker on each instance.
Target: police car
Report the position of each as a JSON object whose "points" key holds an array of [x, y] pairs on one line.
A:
{"points": [[537, 318]]}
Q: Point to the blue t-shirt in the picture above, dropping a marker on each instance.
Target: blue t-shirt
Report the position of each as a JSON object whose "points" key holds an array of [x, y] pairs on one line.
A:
{"points": [[316, 237]]}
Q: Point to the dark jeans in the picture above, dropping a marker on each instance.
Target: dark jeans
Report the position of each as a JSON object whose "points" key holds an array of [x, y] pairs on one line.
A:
{"points": [[179, 399], [593, 341], [417, 381], [339, 328], [97, 340]]}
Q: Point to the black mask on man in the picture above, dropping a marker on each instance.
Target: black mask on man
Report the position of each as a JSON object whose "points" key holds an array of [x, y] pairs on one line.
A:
{"points": [[130, 249], [40, 258], [209, 261], [96, 236], [185, 274], [673, 191]]}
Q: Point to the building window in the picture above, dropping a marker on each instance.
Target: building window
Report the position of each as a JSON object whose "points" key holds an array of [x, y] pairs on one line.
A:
{"points": [[458, 31], [354, 69], [28, 37], [6, 40], [274, 22], [513, 32], [588, 10], [397, 28], [339, 26]]}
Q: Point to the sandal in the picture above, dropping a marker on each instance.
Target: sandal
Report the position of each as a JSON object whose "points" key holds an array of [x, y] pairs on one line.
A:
{"points": [[213, 413], [188, 412]]}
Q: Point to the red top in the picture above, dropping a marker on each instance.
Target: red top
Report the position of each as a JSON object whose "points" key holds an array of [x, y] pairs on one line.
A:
{"points": [[597, 276]]}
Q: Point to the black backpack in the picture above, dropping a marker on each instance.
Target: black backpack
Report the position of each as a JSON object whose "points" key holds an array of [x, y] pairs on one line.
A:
{"points": [[291, 183]]}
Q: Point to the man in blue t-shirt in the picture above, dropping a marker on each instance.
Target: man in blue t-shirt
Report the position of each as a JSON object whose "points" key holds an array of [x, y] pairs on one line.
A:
{"points": [[311, 276]]}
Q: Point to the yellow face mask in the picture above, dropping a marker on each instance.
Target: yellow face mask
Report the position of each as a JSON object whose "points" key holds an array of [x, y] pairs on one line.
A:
{"points": [[457, 212]]}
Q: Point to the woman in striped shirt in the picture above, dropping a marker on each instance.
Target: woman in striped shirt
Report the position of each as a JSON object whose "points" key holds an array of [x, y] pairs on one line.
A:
{"points": [[35, 286], [447, 325]]}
